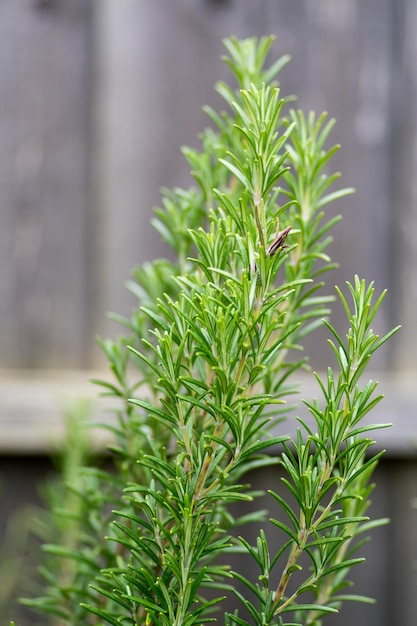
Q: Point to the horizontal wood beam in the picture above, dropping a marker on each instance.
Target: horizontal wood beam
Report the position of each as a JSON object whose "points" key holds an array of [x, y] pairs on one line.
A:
{"points": [[33, 409]]}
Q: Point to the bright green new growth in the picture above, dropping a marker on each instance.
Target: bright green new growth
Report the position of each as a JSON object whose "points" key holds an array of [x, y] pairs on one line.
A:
{"points": [[202, 379]]}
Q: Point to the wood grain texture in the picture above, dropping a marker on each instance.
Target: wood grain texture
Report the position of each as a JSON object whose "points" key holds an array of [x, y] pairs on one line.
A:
{"points": [[92, 115], [403, 161], [32, 409], [44, 95], [153, 81], [95, 100]]}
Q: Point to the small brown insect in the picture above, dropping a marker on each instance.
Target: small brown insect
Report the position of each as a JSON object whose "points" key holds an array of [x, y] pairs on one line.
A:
{"points": [[279, 242]]}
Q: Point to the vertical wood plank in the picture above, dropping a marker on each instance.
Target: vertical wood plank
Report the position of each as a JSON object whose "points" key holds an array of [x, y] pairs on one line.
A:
{"points": [[403, 250], [158, 65], [401, 485], [347, 56], [19, 498], [43, 152]]}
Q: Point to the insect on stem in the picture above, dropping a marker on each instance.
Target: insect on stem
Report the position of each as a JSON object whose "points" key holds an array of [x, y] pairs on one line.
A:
{"points": [[279, 242]]}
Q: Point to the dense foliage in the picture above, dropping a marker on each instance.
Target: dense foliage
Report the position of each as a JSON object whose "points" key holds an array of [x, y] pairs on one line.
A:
{"points": [[210, 356]]}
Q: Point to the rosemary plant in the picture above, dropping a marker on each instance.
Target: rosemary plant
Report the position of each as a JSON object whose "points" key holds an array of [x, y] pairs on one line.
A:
{"points": [[201, 378]]}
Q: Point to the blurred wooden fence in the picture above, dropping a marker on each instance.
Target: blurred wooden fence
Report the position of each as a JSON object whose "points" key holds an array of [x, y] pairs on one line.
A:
{"points": [[96, 97]]}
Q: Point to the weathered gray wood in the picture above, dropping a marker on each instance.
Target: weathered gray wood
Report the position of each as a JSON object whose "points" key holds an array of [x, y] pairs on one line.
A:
{"points": [[67, 243], [44, 95], [19, 498], [158, 62], [403, 161], [401, 487], [155, 64], [32, 409]]}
